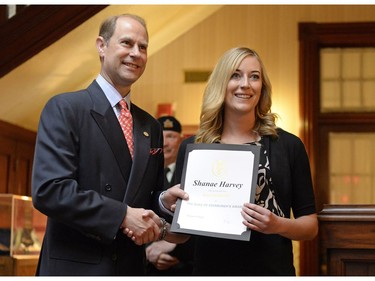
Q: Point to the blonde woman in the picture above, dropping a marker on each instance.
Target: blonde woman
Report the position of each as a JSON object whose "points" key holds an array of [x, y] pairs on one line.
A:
{"points": [[236, 109]]}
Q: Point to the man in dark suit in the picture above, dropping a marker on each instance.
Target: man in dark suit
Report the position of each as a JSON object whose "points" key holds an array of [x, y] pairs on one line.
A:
{"points": [[95, 191], [172, 136]]}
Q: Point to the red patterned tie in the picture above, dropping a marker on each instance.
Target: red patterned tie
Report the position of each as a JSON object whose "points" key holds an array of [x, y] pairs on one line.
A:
{"points": [[126, 122]]}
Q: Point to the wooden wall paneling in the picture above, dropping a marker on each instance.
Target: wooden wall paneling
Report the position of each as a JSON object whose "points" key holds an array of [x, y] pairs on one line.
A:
{"points": [[354, 262], [16, 159], [3, 13], [23, 168], [7, 155], [346, 233]]}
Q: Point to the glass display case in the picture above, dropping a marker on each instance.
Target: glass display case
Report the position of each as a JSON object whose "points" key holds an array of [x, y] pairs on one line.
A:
{"points": [[22, 227]]}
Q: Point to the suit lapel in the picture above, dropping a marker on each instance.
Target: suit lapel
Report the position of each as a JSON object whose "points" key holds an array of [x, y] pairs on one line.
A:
{"points": [[106, 119], [142, 144]]}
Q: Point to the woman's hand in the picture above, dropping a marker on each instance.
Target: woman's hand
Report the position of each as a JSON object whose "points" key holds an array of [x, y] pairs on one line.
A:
{"points": [[259, 219], [263, 220]]}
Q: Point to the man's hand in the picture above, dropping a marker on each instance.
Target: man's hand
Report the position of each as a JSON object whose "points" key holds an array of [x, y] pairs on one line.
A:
{"points": [[170, 196], [165, 261], [155, 249], [142, 226]]}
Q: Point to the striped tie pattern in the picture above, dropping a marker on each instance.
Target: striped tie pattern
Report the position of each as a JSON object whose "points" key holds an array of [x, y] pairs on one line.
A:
{"points": [[126, 122]]}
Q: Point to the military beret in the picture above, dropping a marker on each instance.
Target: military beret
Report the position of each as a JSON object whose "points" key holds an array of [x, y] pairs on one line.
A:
{"points": [[170, 123]]}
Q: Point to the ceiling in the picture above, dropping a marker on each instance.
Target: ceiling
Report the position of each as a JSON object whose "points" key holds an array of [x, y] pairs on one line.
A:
{"points": [[72, 62]]}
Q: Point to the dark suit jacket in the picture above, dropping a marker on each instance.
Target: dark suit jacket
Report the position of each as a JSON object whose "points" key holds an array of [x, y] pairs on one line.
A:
{"points": [[83, 180]]}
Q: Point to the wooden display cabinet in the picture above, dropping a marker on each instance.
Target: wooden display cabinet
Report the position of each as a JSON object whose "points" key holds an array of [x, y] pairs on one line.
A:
{"points": [[18, 265], [22, 230]]}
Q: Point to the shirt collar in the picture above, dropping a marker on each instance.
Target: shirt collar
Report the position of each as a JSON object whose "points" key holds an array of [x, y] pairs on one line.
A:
{"points": [[172, 167], [110, 92]]}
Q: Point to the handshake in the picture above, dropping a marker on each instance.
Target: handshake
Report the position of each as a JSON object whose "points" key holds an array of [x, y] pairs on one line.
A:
{"points": [[144, 226]]}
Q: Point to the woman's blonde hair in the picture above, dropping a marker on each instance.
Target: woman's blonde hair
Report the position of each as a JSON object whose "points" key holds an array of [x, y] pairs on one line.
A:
{"points": [[212, 110]]}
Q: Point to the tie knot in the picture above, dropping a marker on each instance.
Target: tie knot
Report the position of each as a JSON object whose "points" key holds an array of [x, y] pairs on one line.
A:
{"points": [[123, 104]]}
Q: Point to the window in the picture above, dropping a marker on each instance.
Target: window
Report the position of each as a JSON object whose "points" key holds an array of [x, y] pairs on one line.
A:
{"points": [[347, 80], [351, 166]]}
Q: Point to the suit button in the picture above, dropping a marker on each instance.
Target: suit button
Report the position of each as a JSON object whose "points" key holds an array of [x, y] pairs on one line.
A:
{"points": [[108, 187], [114, 257]]}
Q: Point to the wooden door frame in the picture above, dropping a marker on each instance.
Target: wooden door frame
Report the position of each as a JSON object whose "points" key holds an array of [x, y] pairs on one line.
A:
{"points": [[312, 37]]}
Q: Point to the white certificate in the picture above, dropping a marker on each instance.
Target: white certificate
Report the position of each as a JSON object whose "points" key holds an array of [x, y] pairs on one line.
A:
{"points": [[219, 179]]}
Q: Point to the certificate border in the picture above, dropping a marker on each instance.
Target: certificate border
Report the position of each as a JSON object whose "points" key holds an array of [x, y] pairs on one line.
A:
{"points": [[255, 149]]}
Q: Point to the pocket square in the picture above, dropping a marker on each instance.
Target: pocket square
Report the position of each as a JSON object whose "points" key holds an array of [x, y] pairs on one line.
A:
{"points": [[154, 151]]}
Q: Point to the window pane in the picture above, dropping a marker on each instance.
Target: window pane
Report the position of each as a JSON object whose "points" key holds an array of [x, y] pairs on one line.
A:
{"points": [[330, 61], [347, 82], [369, 64], [340, 163], [369, 94], [351, 166], [351, 64], [330, 93], [351, 94]]}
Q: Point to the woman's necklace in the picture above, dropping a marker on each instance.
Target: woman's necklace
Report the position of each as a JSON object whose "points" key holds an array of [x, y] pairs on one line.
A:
{"points": [[248, 138]]}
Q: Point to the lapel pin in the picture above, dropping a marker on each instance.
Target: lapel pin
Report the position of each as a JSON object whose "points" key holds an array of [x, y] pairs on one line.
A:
{"points": [[146, 134]]}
